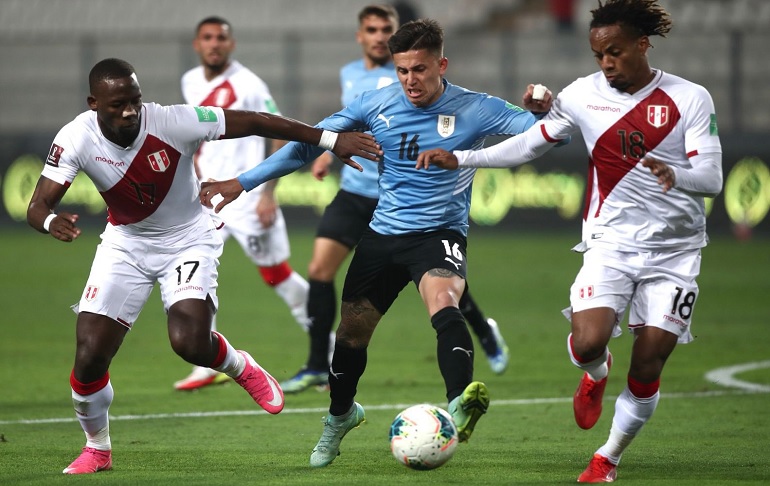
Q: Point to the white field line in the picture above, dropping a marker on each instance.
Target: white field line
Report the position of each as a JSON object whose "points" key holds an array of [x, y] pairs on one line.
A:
{"points": [[726, 377], [719, 376]]}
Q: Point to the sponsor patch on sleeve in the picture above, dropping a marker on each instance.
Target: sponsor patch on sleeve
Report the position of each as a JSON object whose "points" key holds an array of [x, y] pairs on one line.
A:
{"points": [[713, 130], [54, 155], [205, 114]]}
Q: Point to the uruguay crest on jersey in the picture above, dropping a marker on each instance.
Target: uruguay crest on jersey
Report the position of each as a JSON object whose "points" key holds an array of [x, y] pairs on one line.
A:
{"points": [[446, 125]]}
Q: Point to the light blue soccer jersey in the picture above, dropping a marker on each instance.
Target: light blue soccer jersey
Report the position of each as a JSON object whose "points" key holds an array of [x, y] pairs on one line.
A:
{"points": [[355, 79], [411, 200]]}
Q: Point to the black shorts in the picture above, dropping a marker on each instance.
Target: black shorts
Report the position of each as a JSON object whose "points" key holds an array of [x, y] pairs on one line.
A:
{"points": [[383, 265], [346, 217]]}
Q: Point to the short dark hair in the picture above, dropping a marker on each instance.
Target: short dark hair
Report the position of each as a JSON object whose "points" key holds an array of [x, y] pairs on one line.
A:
{"points": [[111, 68], [213, 19], [418, 34], [386, 12], [644, 17]]}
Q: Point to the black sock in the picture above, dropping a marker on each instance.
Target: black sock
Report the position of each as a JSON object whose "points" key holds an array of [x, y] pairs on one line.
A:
{"points": [[322, 310], [347, 367], [454, 349], [478, 322]]}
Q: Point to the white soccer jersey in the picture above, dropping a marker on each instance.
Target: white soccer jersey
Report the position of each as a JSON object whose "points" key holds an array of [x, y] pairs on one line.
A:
{"points": [[237, 88], [671, 119], [150, 187]]}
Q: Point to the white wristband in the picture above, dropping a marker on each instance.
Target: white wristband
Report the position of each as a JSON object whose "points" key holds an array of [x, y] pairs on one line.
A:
{"points": [[47, 222], [328, 139]]}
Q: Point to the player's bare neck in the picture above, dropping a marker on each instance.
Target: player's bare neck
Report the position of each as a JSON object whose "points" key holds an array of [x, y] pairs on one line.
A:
{"points": [[644, 81], [120, 138]]}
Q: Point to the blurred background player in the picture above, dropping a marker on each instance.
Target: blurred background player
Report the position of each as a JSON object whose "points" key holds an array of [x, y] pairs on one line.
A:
{"points": [[348, 215], [255, 221], [641, 245]]}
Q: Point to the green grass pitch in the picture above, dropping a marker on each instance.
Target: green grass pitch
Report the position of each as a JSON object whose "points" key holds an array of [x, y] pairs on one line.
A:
{"points": [[702, 432]]}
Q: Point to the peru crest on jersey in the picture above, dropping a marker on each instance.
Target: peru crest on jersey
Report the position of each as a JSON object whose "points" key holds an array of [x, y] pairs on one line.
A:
{"points": [[159, 161], [657, 115]]}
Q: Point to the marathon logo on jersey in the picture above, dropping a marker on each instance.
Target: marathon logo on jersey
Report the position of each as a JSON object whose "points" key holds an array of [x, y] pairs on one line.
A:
{"points": [[54, 155], [446, 125], [107, 161], [586, 293], [91, 292], [657, 115], [159, 161], [205, 114], [680, 323]]}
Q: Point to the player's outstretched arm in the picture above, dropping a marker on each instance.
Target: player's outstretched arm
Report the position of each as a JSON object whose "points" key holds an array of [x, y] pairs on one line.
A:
{"points": [[356, 144], [438, 157], [240, 123], [41, 216], [229, 190]]}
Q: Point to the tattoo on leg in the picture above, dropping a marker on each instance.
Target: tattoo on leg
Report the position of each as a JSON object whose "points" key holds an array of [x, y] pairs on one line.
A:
{"points": [[358, 322]]}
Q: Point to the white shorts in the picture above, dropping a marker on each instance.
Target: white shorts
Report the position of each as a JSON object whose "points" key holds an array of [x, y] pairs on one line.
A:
{"points": [[266, 247], [125, 269], [660, 286]]}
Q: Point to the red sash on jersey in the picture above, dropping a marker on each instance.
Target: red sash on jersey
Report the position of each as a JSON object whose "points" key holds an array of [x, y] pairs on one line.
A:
{"points": [[145, 184], [619, 149]]}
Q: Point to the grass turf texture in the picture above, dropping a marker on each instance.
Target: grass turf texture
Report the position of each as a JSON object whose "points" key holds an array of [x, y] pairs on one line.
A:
{"points": [[701, 433]]}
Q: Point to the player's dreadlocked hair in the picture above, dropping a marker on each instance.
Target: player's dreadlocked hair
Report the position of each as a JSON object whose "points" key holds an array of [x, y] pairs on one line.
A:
{"points": [[109, 69], [646, 17]]}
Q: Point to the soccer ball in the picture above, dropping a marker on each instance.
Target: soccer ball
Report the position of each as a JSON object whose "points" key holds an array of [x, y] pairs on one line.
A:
{"points": [[423, 437]]}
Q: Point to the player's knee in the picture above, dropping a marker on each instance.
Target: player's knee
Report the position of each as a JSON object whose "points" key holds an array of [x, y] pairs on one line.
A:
{"points": [[91, 363], [646, 370], [442, 299], [353, 336], [190, 338], [190, 347], [321, 270], [584, 348]]}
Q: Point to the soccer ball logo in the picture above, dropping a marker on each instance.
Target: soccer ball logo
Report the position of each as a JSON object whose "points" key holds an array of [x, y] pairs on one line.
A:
{"points": [[423, 437]]}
